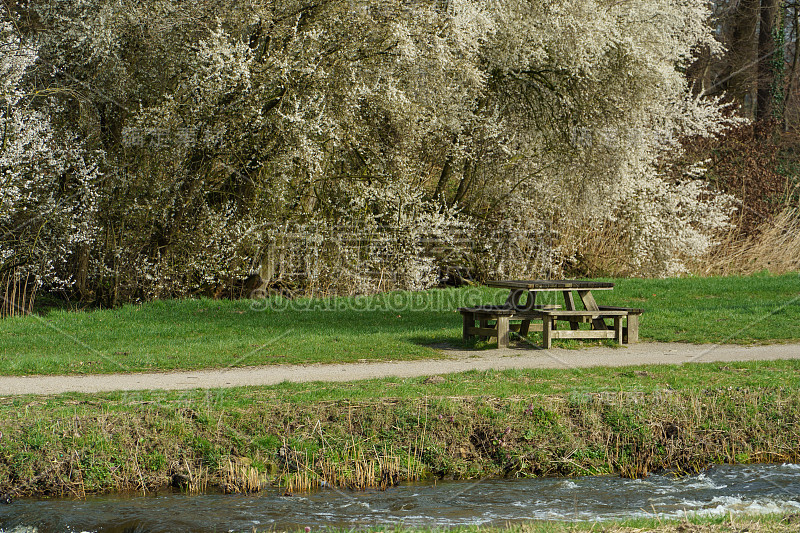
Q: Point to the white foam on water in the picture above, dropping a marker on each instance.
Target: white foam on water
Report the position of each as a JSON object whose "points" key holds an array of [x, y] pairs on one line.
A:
{"points": [[698, 482], [357, 503], [724, 505], [536, 504], [718, 506], [702, 482], [664, 490], [427, 520], [567, 484]]}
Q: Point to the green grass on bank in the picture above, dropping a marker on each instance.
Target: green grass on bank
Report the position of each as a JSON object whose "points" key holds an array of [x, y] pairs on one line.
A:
{"points": [[768, 523], [771, 523], [193, 334], [627, 421]]}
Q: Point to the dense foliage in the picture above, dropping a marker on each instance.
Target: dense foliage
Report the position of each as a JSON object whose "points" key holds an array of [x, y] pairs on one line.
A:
{"points": [[158, 148]]}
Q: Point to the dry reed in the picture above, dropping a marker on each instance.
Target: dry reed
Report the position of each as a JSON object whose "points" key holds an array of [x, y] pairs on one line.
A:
{"points": [[775, 248], [237, 474], [195, 477]]}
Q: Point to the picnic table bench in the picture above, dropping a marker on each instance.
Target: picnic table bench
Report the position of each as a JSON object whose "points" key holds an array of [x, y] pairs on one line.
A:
{"points": [[495, 320]]}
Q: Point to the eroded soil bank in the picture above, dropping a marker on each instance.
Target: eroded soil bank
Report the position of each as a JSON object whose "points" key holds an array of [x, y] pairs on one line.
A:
{"points": [[248, 440]]}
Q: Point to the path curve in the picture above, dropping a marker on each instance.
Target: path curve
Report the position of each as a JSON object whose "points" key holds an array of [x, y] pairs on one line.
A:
{"points": [[456, 361]]}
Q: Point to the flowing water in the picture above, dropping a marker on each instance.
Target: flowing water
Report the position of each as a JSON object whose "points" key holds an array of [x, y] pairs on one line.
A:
{"points": [[748, 489]]}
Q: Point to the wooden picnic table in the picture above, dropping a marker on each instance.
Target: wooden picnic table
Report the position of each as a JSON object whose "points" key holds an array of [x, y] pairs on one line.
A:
{"points": [[526, 311], [519, 287]]}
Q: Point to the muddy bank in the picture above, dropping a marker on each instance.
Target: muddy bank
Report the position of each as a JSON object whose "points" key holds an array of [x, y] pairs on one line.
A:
{"points": [[81, 446]]}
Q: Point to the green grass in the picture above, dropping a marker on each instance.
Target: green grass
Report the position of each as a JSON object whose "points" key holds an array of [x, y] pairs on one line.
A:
{"points": [[773, 523], [465, 425], [193, 334], [577, 383], [751, 309]]}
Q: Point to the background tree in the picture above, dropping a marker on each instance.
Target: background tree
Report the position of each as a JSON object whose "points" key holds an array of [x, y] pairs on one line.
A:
{"points": [[332, 146], [769, 101], [753, 69]]}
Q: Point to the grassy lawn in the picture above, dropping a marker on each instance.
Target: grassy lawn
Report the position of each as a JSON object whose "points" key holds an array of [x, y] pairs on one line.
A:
{"points": [[752, 309], [192, 334], [576, 383]]}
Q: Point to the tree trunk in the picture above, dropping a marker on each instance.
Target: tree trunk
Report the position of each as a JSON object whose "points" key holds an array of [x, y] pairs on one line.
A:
{"points": [[444, 177], [770, 62], [792, 75], [743, 54], [466, 182]]}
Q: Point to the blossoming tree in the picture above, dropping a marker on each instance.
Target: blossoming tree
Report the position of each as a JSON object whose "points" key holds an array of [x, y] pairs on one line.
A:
{"points": [[352, 146]]}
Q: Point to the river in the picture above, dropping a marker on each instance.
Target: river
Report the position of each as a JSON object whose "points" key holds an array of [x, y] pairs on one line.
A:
{"points": [[720, 490]]}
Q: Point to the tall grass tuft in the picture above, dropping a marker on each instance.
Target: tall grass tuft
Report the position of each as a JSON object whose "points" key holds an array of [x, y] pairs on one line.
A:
{"points": [[354, 467], [18, 292]]}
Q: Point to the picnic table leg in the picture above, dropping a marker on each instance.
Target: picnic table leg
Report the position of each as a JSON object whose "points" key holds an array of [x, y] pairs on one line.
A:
{"points": [[484, 324], [525, 326], [531, 301], [633, 329], [591, 305], [502, 332], [569, 301], [618, 329], [469, 323], [513, 298], [547, 324]]}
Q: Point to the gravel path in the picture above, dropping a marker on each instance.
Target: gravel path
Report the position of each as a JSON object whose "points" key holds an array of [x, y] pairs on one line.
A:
{"points": [[455, 361]]}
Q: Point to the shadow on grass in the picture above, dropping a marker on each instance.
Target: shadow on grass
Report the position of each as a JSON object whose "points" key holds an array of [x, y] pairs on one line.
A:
{"points": [[453, 343]]}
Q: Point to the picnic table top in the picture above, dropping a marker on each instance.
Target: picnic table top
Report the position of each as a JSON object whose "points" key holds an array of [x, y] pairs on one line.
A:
{"points": [[550, 285]]}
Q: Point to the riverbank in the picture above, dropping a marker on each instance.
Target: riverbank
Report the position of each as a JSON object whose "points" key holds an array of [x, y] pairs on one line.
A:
{"points": [[627, 421]]}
